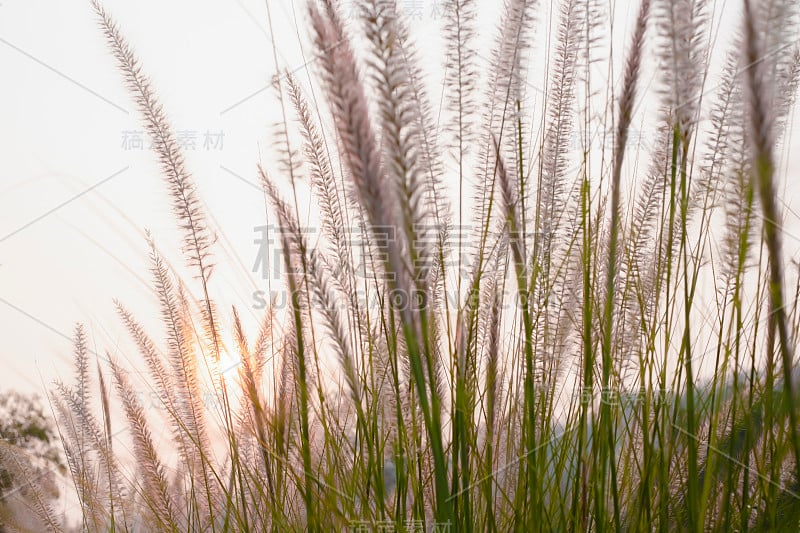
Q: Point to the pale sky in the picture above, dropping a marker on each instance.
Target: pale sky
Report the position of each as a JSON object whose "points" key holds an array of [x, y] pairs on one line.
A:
{"points": [[77, 183], [77, 189]]}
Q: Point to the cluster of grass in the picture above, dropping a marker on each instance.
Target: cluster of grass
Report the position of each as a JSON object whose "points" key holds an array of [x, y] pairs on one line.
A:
{"points": [[561, 388]]}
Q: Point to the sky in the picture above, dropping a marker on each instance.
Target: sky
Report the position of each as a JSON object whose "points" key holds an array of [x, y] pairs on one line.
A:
{"points": [[78, 185]]}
